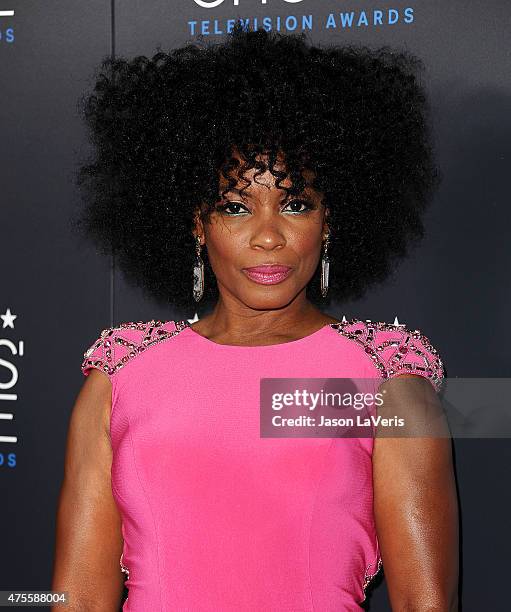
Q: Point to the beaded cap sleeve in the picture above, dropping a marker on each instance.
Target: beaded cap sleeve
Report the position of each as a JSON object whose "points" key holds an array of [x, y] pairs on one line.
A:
{"points": [[116, 346], [395, 349]]}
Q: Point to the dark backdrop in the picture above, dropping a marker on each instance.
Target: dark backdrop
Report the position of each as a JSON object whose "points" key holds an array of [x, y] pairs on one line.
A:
{"points": [[455, 287]]}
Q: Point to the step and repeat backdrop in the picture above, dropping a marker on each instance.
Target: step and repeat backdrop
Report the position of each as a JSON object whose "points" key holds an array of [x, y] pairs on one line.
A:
{"points": [[58, 292]]}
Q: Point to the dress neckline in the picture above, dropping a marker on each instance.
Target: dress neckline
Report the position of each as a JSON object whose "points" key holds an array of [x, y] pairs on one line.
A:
{"points": [[188, 328]]}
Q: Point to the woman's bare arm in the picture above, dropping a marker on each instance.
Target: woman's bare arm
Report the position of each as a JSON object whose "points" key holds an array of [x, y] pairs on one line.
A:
{"points": [[88, 532], [415, 503]]}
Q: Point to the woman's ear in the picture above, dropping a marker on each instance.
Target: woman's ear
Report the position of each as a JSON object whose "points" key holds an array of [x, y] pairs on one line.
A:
{"points": [[198, 226], [326, 229]]}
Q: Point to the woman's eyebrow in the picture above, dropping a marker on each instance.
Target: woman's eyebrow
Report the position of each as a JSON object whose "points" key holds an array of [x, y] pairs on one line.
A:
{"points": [[236, 190], [243, 194], [249, 195]]}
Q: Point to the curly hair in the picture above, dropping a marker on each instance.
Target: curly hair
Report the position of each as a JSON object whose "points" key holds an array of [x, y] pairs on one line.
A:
{"points": [[164, 127]]}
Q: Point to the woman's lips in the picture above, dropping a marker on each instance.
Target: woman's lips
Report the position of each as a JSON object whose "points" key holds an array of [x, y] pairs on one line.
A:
{"points": [[267, 275]]}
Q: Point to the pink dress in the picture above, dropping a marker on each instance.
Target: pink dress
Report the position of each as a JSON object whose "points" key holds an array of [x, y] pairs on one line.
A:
{"points": [[215, 517]]}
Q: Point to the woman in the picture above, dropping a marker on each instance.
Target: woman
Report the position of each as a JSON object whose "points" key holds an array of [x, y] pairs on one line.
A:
{"points": [[259, 178]]}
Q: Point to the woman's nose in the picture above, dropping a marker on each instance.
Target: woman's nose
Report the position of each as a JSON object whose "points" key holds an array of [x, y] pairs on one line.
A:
{"points": [[268, 233]]}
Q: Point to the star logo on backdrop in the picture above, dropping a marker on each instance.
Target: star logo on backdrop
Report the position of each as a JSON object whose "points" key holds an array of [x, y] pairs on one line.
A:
{"points": [[8, 319], [396, 321], [195, 318]]}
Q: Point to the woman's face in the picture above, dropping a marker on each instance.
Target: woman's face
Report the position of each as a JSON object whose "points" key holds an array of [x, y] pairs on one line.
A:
{"points": [[262, 227]]}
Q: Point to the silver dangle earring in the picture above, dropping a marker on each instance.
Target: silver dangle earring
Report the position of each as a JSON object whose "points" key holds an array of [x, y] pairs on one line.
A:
{"points": [[198, 272], [325, 267]]}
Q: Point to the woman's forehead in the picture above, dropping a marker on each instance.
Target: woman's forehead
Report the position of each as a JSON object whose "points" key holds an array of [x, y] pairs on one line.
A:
{"points": [[253, 180]]}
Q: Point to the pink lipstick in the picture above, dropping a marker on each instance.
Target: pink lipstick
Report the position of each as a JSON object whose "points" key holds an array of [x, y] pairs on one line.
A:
{"points": [[268, 275]]}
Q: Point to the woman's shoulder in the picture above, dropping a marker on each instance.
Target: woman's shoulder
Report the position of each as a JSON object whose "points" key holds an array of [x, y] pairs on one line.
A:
{"points": [[394, 348], [117, 346]]}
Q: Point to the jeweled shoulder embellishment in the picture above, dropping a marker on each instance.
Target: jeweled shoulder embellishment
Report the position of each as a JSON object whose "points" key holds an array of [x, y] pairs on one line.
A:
{"points": [[124, 568], [114, 348], [394, 349], [369, 577]]}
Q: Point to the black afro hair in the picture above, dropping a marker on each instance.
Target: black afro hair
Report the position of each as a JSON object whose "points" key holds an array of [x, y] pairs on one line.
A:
{"points": [[162, 129]]}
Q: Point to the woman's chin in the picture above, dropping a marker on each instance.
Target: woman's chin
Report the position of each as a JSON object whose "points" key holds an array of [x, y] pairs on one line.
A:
{"points": [[267, 297]]}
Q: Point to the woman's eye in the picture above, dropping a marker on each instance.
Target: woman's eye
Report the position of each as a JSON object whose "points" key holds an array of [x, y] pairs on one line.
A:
{"points": [[297, 204], [235, 208]]}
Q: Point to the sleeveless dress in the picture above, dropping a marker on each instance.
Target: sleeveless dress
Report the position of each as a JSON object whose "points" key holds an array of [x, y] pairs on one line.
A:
{"points": [[217, 518]]}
